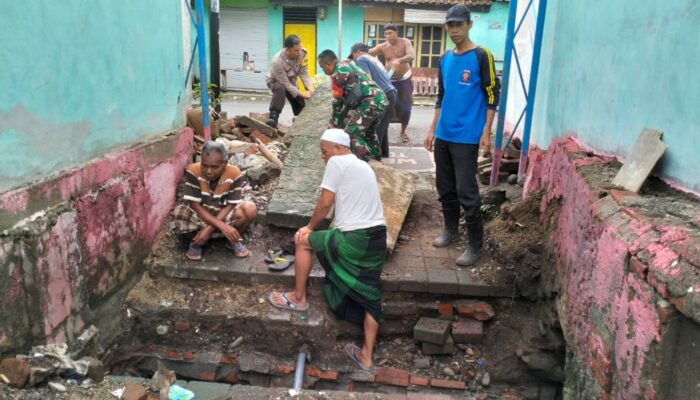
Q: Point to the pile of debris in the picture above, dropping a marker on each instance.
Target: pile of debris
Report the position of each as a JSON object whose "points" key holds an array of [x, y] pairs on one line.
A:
{"points": [[162, 387], [257, 149], [508, 170], [57, 365]]}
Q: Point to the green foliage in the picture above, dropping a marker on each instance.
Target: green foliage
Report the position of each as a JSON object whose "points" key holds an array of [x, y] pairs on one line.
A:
{"points": [[488, 211], [214, 101]]}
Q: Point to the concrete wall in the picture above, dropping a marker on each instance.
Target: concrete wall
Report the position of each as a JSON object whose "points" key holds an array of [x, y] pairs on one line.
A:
{"points": [[608, 70], [80, 79], [71, 246], [625, 271]]}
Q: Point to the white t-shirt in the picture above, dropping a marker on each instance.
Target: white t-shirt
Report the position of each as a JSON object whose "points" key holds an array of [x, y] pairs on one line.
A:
{"points": [[357, 201]]}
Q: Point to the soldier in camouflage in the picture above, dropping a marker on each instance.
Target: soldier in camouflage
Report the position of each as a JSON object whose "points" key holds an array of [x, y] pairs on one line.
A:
{"points": [[358, 106]]}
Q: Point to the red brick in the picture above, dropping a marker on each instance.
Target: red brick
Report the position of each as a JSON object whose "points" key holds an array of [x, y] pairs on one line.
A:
{"points": [[679, 302], [230, 378], [351, 387], [638, 267], [419, 380], [283, 369], [660, 287], [188, 355], [182, 326], [634, 213], [476, 309], [390, 376], [16, 371], [226, 359], [172, 354], [620, 195], [328, 375], [666, 314], [650, 393], [445, 309], [257, 135], [134, 391], [313, 372], [447, 384], [207, 376]]}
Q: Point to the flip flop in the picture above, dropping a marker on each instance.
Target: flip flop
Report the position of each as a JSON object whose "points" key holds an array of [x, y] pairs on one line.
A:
{"points": [[239, 249], [288, 305], [405, 138], [272, 254], [351, 350], [194, 253], [281, 263]]}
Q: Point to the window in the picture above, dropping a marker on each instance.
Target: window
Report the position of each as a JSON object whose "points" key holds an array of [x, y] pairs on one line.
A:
{"points": [[374, 33], [431, 44]]}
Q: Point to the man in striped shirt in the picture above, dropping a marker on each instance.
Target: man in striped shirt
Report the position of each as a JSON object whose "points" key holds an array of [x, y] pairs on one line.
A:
{"points": [[215, 207]]}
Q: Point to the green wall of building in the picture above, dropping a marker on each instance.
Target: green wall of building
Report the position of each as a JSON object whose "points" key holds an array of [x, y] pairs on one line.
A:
{"points": [[489, 30], [605, 93], [353, 28], [80, 79]]}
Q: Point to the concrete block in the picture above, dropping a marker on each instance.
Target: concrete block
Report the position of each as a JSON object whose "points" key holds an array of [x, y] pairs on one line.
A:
{"points": [[431, 330], [641, 160], [208, 390], [432, 349], [442, 281], [468, 330], [396, 189]]}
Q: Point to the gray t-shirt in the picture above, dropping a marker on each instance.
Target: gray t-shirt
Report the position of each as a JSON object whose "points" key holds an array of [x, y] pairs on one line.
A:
{"points": [[374, 67], [357, 201]]}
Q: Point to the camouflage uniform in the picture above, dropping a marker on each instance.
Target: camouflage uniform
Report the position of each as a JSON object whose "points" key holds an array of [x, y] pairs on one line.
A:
{"points": [[361, 121]]}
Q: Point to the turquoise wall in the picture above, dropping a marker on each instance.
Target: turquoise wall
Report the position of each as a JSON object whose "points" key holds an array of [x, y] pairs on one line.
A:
{"points": [[82, 78], [483, 34], [609, 70], [353, 30]]}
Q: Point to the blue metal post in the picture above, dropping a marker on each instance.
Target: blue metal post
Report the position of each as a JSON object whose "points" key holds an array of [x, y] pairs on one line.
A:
{"points": [[199, 4], [498, 152], [534, 72]]}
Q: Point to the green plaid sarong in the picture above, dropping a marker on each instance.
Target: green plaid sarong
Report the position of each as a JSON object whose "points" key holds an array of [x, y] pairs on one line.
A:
{"points": [[353, 262]]}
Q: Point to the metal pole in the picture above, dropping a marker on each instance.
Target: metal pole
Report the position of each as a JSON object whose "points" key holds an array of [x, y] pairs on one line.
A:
{"points": [[541, 10], [199, 4], [340, 28], [510, 35], [214, 52]]}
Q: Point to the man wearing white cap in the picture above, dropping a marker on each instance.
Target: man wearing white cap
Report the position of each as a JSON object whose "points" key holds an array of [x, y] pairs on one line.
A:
{"points": [[352, 252]]}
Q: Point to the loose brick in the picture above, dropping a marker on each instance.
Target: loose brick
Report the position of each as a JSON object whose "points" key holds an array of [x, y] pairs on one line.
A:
{"points": [[226, 359], [283, 369], [182, 326], [431, 330], [16, 371], [480, 310], [394, 377], [468, 330], [328, 375], [447, 384], [257, 135], [189, 355], [134, 391], [207, 376], [230, 378], [445, 309], [172, 355], [431, 349], [313, 372], [419, 380]]}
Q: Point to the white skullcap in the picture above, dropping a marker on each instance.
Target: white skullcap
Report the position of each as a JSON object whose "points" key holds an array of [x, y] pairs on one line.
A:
{"points": [[337, 136]]}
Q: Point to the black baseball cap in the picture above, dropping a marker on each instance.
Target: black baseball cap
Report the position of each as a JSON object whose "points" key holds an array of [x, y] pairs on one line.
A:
{"points": [[458, 13], [358, 47]]}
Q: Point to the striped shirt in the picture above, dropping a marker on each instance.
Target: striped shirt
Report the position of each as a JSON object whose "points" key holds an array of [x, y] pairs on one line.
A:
{"points": [[213, 195]]}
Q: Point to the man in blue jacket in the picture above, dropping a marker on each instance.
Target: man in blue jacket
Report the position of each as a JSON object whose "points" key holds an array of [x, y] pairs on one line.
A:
{"points": [[468, 93]]}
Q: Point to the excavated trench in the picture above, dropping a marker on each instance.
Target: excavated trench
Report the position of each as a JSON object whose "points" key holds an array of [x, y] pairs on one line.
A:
{"points": [[210, 328]]}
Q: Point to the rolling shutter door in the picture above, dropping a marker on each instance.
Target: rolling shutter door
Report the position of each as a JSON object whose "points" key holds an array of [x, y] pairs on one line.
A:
{"points": [[240, 31]]}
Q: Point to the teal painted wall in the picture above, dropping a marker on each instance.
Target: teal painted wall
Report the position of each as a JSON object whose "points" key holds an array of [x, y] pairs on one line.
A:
{"points": [[609, 70], [353, 30], [275, 31], [483, 34], [80, 79]]}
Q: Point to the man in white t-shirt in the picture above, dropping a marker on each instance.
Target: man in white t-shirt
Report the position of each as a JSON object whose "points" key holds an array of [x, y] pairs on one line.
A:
{"points": [[352, 252]]}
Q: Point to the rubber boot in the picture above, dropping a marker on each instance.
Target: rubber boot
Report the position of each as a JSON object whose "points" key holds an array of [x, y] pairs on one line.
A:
{"points": [[475, 248], [450, 213], [272, 121]]}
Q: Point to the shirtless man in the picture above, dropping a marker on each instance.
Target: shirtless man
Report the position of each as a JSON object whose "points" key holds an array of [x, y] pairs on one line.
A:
{"points": [[399, 54]]}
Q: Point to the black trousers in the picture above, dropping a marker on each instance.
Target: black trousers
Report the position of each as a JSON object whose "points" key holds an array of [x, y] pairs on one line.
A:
{"points": [[383, 127], [455, 176], [279, 93]]}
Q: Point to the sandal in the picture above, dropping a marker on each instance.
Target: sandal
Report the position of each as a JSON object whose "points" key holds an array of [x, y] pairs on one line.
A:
{"points": [[288, 305], [239, 249], [272, 254], [351, 350], [405, 138], [281, 263], [194, 253]]}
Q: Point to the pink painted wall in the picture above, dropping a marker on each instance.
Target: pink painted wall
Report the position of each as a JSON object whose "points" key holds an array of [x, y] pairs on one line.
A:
{"points": [[71, 241], [615, 266]]}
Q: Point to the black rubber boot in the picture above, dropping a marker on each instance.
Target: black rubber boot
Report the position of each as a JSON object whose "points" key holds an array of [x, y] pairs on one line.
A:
{"points": [[272, 121], [450, 213], [475, 248]]}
